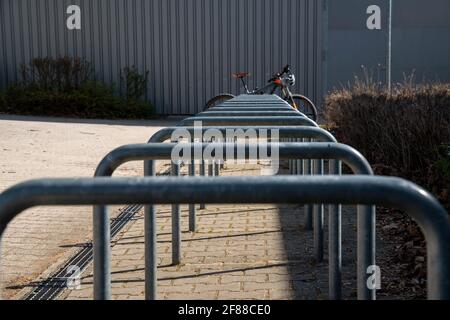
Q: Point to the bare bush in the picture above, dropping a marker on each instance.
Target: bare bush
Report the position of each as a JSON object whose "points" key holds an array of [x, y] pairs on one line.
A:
{"points": [[403, 133], [62, 74]]}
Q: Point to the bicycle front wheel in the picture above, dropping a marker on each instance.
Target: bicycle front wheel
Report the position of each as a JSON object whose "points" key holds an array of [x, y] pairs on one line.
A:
{"points": [[214, 102], [304, 105]]}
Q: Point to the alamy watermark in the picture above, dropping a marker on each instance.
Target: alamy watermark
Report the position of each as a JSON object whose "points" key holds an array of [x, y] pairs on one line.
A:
{"points": [[250, 146], [373, 22], [374, 279], [73, 278]]}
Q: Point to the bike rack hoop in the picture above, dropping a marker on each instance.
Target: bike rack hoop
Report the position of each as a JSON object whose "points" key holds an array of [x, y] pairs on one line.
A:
{"points": [[157, 151], [246, 108], [317, 133], [389, 192], [249, 113], [250, 121], [163, 151]]}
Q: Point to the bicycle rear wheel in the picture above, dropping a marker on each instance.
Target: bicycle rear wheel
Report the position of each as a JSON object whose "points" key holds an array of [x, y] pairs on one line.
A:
{"points": [[218, 100], [305, 106]]}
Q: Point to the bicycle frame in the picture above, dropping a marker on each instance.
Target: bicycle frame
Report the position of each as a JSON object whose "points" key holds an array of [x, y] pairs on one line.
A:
{"points": [[275, 84], [271, 88]]}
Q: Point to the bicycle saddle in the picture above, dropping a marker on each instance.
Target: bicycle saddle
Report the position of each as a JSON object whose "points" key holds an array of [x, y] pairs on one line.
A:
{"points": [[241, 75]]}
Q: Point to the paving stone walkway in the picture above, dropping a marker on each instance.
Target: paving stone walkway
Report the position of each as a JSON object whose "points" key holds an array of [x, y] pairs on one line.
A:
{"points": [[41, 238], [238, 252]]}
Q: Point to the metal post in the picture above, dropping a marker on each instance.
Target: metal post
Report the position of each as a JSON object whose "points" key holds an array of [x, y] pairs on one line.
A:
{"points": [[102, 253], [308, 208], [318, 218], [203, 174], [389, 49], [291, 162], [211, 168], [216, 168], [294, 162], [150, 234], [299, 162], [366, 249], [216, 164], [176, 223], [335, 241], [192, 210]]}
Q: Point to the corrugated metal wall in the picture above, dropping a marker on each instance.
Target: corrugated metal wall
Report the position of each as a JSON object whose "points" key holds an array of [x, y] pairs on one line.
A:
{"points": [[190, 47]]}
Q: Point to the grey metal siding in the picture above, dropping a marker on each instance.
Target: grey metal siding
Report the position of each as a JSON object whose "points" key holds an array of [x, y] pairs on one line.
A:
{"points": [[351, 45], [420, 40], [190, 47]]}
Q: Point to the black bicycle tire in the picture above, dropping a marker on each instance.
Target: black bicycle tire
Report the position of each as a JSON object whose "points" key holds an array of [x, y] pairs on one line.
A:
{"points": [[212, 101], [313, 114]]}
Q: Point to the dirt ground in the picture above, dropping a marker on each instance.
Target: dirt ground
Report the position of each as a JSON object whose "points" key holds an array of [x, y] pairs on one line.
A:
{"points": [[37, 147]]}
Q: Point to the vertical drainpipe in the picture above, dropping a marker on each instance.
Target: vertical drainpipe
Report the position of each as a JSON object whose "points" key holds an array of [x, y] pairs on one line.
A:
{"points": [[324, 60], [389, 48]]}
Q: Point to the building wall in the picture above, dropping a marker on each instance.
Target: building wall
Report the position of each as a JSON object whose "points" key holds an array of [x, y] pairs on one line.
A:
{"points": [[190, 47], [420, 41], [350, 44]]}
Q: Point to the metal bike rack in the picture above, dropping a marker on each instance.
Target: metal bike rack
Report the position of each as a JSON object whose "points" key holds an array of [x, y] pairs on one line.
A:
{"points": [[406, 196], [275, 120], [248, 105], [256, 98], [159, 151], [249, 121], [302, 120], [261, 108], [315, 210], [284, 132], [255, 101], [265, 101], [316, 133], [245, 113], [246, 101], [259, 105], [266, 121]]}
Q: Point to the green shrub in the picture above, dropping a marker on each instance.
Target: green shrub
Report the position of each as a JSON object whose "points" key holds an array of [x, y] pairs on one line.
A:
{"points": [[93, 100], [401, 133], [64, 87], [2, 102]]}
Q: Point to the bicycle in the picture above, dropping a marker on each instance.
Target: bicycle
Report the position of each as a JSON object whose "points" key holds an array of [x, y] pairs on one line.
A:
{"points": [[281, 81]]}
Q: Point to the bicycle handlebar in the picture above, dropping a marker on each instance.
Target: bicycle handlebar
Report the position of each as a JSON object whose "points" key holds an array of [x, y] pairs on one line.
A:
{"points": [[286, 69]]}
